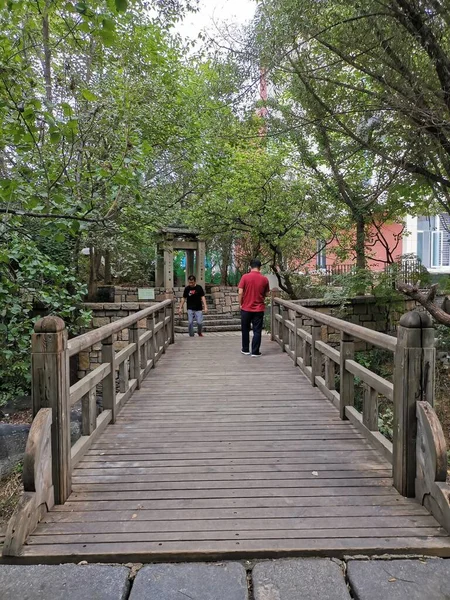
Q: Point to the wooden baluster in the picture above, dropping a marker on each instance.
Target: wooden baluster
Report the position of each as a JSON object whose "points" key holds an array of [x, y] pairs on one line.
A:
{"points": [[165, 335], [316, 356], [370, 408], [173, 309], [330, 373], [135, 367], [154, 344], [50, 383], [109, 382], [284, 329], [89, 412], [124, 376], [306, 348], [274, 293], [347, 381], [143, 352], [298, 346]]}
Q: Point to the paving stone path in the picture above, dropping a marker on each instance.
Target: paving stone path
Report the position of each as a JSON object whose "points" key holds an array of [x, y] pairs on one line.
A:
{"points": [[290, 579]]}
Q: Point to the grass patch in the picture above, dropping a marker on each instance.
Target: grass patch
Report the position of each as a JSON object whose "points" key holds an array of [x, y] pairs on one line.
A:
{"points": [[11, 488]]}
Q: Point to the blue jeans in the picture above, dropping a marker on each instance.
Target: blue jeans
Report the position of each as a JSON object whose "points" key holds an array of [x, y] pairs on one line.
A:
{"points": [[251, 318], [198, 315]]}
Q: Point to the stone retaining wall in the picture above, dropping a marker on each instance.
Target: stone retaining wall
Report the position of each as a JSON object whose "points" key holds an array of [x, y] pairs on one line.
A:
{"points": [[225, 299]]}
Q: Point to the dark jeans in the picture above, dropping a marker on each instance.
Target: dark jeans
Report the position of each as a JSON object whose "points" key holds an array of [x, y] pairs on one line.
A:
{"points": [[251, 318]]}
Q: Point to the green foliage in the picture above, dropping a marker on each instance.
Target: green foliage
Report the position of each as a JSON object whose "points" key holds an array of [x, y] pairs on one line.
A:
{"points": [[29, 279], [381, 363], [442, 333], [386, 421]]}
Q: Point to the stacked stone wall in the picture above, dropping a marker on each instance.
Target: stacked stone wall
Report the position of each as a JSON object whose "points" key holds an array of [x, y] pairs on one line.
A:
{"points": [[225, 299]]}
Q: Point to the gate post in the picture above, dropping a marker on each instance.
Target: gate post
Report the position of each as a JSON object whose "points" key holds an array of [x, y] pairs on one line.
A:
{"points": [[50, 383], [414, 372]]}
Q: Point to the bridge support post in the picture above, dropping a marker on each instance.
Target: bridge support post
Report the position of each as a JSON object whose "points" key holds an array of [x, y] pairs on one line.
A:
{"points": [[284, 334], [413, 382], [274, 293], [316, 357], [173, 309], [51, 389], [347, 381], [298, 342]]}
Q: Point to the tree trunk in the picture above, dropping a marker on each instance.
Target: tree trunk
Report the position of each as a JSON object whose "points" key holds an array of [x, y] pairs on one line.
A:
{"points": [[108, 274], [360, 246], [226, 259], [92, 285], [47, 54]]}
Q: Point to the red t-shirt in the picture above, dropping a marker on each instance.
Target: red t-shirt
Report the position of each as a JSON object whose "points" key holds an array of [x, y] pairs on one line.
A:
{"points": [[255, 287]]}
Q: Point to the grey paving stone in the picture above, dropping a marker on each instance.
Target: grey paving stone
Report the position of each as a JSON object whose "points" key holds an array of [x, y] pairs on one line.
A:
{"points": [[195, 581], [400, 579], [63, 582], [299, 579]]}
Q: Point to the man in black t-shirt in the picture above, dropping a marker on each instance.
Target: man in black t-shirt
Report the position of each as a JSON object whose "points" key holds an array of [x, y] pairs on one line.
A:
{"points": [[194, 296]]}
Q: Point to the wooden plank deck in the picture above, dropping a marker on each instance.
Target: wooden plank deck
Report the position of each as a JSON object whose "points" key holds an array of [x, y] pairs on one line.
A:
{"points": [[221, 455]]}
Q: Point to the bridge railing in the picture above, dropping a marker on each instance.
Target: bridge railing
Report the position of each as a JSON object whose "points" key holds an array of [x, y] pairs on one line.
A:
{"points": [[49, 457], [418, 452], [150, 331], [298, 330]]}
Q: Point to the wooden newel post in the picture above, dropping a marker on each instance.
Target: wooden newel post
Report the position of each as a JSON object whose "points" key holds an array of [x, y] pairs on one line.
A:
{"points": [[413, 381], [274, 293], [51, 389]]}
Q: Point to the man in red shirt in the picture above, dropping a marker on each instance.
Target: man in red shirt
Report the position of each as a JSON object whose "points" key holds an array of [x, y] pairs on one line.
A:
{"points": [[253, 288]]}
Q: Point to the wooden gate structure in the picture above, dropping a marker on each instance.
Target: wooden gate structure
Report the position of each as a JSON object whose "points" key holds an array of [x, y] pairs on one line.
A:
{"points": [[217, 455]]}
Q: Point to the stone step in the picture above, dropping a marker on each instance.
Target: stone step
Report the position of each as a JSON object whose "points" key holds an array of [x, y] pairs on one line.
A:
{"points": [[210, 316], [211, 322], [208, 327]]}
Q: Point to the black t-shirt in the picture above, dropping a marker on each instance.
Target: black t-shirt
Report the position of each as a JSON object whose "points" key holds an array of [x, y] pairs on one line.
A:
{"points": [[194, 297]]}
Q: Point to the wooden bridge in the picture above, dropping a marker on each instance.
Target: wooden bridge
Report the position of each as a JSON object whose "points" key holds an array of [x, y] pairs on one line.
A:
{"points": [[216, 455]]}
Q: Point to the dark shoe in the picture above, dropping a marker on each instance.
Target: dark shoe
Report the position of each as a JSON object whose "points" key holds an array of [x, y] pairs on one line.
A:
{"points": [[257, 355], [246, 353], [200, 335]]}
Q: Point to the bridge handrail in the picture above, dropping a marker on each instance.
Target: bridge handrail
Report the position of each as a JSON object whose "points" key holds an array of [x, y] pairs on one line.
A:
{"points": [[381, 340], [86, 340], [150, 331], [298, 330]]}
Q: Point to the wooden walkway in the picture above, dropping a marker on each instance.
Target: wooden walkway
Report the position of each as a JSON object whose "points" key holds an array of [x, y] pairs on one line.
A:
{"points": [[220, 455]]}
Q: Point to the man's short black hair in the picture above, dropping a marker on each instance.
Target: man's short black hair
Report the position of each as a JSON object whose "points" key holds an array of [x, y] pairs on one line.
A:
{"points": [[192, 278], [255, 263]]}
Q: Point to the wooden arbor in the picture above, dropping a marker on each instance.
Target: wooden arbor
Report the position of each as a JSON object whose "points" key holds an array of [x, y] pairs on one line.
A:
{"points": [[179, 238]]}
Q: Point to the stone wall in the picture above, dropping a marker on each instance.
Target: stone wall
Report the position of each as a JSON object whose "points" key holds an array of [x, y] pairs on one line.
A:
{"points": [[225, 299], [125, 294]]}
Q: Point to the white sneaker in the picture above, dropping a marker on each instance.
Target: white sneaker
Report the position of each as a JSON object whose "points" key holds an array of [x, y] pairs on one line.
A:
{"points": [[246, 353]]}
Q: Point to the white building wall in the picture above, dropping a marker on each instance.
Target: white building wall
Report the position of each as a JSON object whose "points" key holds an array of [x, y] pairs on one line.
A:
{"points": [[410, 236]]}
